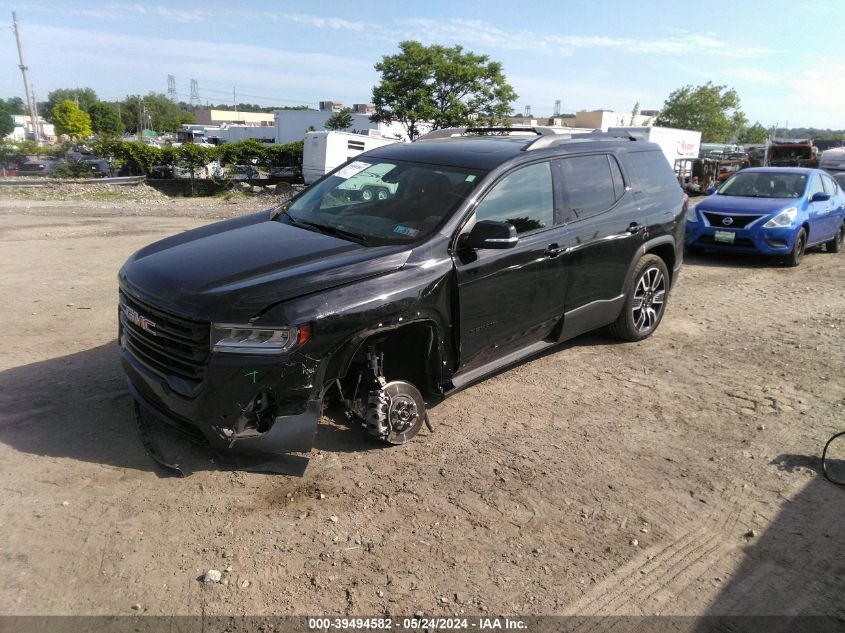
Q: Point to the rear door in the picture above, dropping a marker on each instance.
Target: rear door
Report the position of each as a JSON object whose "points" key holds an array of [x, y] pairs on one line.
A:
{"points": [[604, 227], [513, 297]]}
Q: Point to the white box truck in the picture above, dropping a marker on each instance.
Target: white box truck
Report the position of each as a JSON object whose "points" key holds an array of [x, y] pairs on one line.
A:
{"points": [[323, 151], [674, 143]]}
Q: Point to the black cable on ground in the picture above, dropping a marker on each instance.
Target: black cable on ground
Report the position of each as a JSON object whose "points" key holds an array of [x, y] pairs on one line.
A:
{"points": [[824, 460]]}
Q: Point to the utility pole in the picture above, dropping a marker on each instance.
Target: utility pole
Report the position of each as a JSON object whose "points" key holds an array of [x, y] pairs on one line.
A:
{"points": [[30, 99], [235, 101]]}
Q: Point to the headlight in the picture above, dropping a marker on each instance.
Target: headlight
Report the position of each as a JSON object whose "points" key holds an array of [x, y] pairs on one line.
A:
{"points": [[691, 215], [246, 339], [782, 219]]}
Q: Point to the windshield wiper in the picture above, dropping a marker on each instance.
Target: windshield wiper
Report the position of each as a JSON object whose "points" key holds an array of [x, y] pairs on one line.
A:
{"points": [[328, 228]]}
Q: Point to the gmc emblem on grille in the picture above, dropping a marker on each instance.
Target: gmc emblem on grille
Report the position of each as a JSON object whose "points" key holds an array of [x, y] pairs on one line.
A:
{"points": [[728, 221], [141, 321]]}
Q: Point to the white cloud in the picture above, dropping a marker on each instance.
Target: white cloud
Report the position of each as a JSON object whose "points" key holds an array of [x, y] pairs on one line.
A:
{"points": [[483, 33], [336, 24]]}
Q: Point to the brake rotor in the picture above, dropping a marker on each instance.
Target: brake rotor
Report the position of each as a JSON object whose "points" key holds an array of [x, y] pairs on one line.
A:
{"points": [[405, 411]]}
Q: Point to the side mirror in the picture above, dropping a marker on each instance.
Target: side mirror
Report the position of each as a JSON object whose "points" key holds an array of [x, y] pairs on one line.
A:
{"points": [[490, 234], [710, 191], [820, 196]]}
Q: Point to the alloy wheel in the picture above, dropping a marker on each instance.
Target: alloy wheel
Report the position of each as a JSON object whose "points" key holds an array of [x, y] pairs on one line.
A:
{"points": [[649, 298]]}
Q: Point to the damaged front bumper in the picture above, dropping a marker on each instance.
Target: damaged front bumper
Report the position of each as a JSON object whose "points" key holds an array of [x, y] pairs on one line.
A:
{"points": [[244, 405]]}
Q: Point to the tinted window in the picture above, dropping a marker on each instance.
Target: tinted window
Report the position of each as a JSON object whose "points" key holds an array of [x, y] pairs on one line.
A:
{"points": [[588, 186], [523, 198], [653, 172]]}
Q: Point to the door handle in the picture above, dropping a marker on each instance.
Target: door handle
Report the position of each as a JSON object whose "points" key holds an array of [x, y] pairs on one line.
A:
{"points": [[553, 250], [635, 228]]}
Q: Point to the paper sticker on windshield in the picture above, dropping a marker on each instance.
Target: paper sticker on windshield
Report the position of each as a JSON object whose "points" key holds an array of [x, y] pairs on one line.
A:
{"points": [[405, 230], [351, 169]]}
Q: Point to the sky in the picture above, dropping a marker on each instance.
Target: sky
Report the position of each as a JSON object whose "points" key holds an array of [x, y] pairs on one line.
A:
{"points": [[782, 58]]}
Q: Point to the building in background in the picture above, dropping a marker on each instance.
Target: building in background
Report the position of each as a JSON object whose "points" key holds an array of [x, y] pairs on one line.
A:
{"points": [[24, 129], [233, 117]]}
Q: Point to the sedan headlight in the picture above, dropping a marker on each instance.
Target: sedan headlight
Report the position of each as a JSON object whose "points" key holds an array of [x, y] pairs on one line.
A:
{"points": [[691, 215], [782, 219], [247, 339]]}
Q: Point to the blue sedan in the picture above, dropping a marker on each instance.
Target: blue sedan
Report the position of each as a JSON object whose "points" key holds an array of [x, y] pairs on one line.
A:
{"points": [[772, 211]]}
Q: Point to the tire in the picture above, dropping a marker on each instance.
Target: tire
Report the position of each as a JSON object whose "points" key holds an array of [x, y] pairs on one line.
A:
{"points": [[835, 245], [367, 194], [396, 412], [382, 193], [797, 254], [645, 302]]}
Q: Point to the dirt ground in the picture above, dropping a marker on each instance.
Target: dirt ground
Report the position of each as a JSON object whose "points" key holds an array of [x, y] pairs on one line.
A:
{"points": [[679, 475]]}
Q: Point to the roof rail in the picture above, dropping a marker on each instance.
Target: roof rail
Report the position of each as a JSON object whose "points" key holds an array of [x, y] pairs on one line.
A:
{"points": [[545, 142], [450, 132]]}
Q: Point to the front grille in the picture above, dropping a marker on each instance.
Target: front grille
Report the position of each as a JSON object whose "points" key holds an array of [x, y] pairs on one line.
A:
{"points": [[742, 242], [172, 346], [738, 221]]}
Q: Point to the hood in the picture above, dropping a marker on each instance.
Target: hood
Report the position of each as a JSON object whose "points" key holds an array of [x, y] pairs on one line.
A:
{"points": [[737, 204], [233, 270]]}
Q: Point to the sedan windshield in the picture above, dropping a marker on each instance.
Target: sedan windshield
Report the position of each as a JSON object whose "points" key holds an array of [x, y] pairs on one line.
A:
{"points": [[764, 185], [380, 201]]}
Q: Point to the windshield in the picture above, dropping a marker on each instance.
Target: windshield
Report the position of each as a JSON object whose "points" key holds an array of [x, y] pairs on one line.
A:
{"points": [[380, 201], [764, 185]]}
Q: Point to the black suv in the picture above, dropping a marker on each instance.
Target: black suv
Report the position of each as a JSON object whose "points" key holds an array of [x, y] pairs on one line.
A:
{"points": [[486, 249]]}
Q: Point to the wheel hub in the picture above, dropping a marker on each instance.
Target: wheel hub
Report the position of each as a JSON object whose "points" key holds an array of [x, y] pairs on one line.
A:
{"points": [[403, 413]]}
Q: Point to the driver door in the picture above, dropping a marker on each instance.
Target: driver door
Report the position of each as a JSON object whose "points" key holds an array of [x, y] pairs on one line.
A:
{"points": [[512, 297]]}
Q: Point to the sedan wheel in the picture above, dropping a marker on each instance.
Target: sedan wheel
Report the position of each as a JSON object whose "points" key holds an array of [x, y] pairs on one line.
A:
{"points": [[797, 254], [835, 245]]}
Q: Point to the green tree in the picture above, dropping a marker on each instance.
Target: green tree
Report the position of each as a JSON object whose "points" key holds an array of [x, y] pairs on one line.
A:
{"points": [[7, 123], [104, 119], [8, 107], [82, 97], [635, 111], [340, 120], [441, 85], [71, 121], [712, 110], [753, 134], [154, 112], [192, 157], [12, 105]]}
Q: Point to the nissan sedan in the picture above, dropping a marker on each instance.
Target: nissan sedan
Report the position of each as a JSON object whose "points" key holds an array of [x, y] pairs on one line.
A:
{"points": [[771, 211]]}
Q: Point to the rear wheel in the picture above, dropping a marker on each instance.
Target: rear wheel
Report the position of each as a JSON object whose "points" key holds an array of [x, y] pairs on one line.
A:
{"points": [[835, 245], [382, 193], [367, 194], [797, 254], [645, 301]]}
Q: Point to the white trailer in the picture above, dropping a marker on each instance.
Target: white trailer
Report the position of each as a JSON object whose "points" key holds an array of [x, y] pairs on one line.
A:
{"points": [[323, 151], [674, 143]]}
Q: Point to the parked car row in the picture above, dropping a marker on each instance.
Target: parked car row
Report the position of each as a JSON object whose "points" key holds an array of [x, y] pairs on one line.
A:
{"points": [[98, 167]]}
